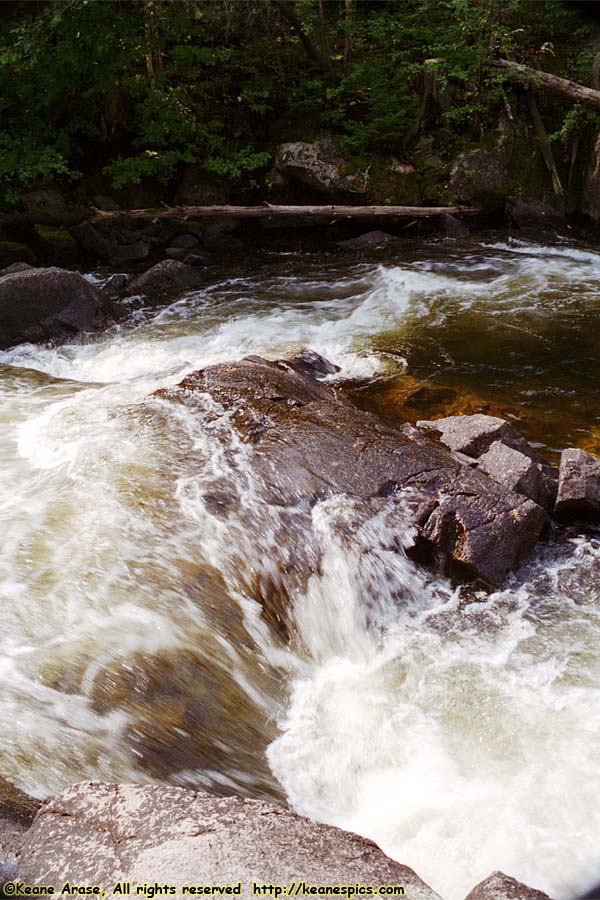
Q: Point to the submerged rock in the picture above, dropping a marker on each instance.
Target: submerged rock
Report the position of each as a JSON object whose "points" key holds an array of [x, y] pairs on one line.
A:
{"points": [[369, 240], [165, 276], [310, 443], [98, 833], [39, 304], [578, 486], [499, 886]]}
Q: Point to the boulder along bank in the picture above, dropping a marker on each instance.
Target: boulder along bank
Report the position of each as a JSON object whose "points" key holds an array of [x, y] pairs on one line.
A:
{"points": [[102, 834]]}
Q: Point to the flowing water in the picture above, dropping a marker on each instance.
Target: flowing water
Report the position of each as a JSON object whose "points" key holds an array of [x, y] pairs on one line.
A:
{"points": [[462, 733]]}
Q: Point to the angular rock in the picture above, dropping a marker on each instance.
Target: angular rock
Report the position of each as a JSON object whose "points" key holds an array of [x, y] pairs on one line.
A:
{"points": [[513, 469], [369, 240], [453, 228], [312, 363], [98, 833], [578, 487], [535, 214], [58, 246], [477, 174], [310, 443], [319, 165], [499, 886], [474, 435], [165, 276], [15, 267], [116, 241], [186, 241], [38, 304], [197, 259]]}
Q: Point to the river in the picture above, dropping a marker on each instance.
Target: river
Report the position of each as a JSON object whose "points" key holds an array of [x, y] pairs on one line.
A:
{"points": [[461, 732]]}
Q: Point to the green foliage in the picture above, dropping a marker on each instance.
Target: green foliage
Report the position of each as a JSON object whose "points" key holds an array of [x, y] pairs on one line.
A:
{"points": [[139, 88]]}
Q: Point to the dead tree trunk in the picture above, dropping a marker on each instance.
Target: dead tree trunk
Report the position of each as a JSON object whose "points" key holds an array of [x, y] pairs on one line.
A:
{"points": [[562, 87], [295, 212]]}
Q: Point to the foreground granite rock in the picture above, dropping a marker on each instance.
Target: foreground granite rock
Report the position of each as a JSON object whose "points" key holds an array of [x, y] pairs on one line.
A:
{"points": [[39, 304], [499, 886], [97, 833], [310, 443]]}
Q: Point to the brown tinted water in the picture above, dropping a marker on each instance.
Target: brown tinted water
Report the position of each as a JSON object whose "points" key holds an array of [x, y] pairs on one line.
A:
{"points": [[134, 644]]}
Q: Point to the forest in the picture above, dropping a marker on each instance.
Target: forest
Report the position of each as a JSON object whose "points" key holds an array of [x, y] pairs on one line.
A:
{"points": [[100, 96]]}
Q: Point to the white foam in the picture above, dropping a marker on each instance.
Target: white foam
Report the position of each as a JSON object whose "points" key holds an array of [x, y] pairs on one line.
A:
{"points": [[462, 737]]}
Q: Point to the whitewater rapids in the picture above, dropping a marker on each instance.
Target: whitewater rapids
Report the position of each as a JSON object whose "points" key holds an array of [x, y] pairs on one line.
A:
{"points": [[461, 733]]}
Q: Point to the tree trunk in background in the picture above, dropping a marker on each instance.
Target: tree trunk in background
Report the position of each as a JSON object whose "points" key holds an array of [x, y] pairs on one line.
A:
{"points": [[544, 143], [287, 11], [348, 36], [562, 87]]}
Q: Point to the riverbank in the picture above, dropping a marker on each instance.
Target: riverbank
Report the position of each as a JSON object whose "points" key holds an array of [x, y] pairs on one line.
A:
{"points": [[113, 838]]}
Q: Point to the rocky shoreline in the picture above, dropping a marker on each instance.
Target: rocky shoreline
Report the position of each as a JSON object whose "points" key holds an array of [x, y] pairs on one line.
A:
{"points": [[100, 834]]}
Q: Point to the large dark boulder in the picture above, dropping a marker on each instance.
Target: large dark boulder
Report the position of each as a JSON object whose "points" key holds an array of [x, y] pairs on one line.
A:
{"points": [[578, 486], [310, 443], [165, 277], [39, 304], [478, 174], [100, 834], [534, 214], [319, 165], [120, 240]]}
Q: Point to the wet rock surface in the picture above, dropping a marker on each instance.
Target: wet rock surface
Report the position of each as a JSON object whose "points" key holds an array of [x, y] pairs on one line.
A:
{"points": [[309, 443], [474, 435], [39, 304], [369, 240], [499, 886], [97, 833], [499, 450], [166, 276], [578, 486]]}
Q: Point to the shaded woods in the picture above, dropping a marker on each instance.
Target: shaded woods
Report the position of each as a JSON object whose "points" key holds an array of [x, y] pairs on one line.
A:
{"points": [[112, 94]]}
